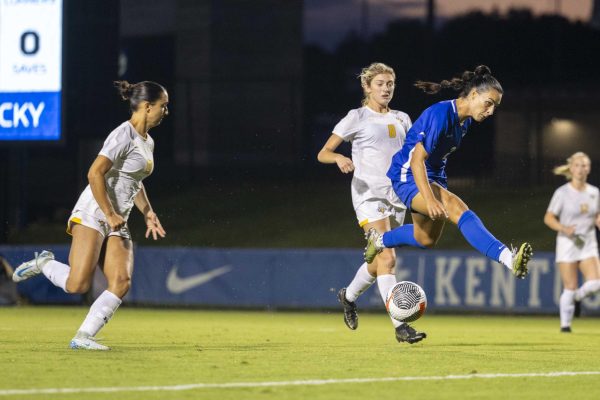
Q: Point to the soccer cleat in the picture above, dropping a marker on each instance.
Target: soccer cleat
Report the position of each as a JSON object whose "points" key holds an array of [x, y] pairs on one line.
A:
{"points": [[87, 344], [372, 248], [350, 314], [406, 333], [577, 311], [520, 258], [565, 329], [32, 267]]}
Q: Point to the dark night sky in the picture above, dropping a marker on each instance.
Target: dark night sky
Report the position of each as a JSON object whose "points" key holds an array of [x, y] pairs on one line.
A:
{"points": [[326, 22]]}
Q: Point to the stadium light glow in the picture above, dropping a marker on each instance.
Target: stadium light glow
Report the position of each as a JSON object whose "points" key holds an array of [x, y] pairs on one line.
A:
{"points": [[564, 128]]}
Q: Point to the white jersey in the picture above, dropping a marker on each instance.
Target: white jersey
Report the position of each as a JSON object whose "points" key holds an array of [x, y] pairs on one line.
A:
{"points": [[375, 138], [576, 208], [132, 160]]}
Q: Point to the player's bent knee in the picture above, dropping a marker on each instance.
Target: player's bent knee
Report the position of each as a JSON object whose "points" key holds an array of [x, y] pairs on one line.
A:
{"points": [[427, 241], [78, 286], [386, 260]]}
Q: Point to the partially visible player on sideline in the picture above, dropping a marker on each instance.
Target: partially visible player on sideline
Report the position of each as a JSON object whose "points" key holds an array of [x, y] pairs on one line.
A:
{"points": [[98, 222], [574, 212], [376, 133], [418, 173]]}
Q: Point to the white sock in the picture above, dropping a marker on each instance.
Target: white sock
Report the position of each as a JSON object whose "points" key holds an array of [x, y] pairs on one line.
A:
{"points": [[566, 307], [385, 283], [587, 289], [506, 258], [379, 242], [100, 313], [361, 282], [57, 273]]}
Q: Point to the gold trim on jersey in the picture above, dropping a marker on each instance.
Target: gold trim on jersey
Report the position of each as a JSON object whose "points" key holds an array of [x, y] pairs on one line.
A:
{"points": [[73, 220]]}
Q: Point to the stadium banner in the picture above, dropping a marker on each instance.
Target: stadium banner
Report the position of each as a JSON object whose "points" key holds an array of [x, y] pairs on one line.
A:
{"points": [[31, 53], [456, 281]]}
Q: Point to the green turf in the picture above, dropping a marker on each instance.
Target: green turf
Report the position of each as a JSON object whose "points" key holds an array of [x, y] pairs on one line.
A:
{"points": [[176, 347]]}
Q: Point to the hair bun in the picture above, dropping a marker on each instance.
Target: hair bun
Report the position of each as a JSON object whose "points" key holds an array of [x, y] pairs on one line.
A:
{"points": [[125, 89], [482, 70]]}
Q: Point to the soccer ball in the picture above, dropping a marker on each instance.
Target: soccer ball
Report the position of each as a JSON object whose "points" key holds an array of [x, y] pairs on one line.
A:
{"points": [[406, 301]]}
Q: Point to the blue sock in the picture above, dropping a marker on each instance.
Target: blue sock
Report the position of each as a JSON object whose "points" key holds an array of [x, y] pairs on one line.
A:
{"points": [[480, 238], [401, 236]]}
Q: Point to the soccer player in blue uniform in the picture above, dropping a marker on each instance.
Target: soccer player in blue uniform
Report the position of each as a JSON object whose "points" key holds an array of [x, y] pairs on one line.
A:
{"points": [[418, 173]]}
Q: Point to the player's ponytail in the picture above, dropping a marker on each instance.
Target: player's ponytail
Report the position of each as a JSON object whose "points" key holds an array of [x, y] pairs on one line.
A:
{"points": [[564, 169], [138, 92], [480, 79], [368, 73]]}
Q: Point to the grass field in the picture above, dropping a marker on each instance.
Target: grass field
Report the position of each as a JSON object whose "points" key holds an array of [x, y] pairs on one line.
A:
{"points": [[272, 355]]}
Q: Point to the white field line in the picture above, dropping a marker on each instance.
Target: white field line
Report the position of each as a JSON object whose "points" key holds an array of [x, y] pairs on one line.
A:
{"points": [[314, 382]]}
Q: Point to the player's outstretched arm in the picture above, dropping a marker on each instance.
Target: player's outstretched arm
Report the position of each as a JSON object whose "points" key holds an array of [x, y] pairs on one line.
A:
{"points": [[153, 225]]}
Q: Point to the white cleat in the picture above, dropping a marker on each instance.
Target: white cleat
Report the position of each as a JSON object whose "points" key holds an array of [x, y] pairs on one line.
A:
{"points": [[32, 267], [86, 344]]}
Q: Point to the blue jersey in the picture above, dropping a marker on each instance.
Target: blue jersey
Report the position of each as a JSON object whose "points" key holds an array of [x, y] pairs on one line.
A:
{"points": [[440, 132]]}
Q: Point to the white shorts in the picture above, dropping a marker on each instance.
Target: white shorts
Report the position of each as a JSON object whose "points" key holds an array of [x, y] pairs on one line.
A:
{"points": [[91, 221], [377, 209], [568, 252]]}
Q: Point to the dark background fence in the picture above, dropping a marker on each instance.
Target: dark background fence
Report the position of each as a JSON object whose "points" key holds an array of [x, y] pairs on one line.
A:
{"points": [[252, 103]]}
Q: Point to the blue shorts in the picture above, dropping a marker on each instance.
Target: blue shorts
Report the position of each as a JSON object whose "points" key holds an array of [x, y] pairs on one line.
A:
{"points": [[407, 191]]}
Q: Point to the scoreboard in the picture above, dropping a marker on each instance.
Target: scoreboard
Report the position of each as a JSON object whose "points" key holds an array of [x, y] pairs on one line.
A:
{"points": [[31, 70]]}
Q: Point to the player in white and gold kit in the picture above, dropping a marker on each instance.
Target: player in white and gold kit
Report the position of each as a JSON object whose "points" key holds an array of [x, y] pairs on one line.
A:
{"points": [[99, 217], [574, 212], [376, 133], [132, 159]]}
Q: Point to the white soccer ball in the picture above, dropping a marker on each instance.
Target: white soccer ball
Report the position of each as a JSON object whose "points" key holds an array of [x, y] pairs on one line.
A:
{"points": [[406, 301]]}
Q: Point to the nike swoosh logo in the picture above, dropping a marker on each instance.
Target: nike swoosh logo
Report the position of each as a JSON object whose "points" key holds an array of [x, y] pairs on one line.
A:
{"points": [[177, 285]]}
